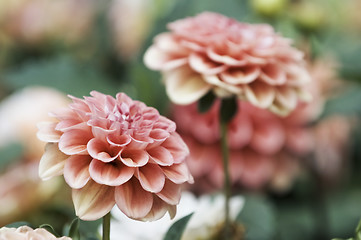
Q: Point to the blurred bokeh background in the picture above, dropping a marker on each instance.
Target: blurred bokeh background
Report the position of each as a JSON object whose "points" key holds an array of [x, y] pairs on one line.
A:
{"points": [[301, 174]]}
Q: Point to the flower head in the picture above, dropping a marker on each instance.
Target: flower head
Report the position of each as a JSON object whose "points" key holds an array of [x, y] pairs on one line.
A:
{"points": [[213, 52], [27, 233], [115, 151]]}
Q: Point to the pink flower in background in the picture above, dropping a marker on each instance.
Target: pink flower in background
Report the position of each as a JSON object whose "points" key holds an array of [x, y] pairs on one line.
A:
{"points": [[266, 149], [27, 233], [213, 52], [116, 151]]}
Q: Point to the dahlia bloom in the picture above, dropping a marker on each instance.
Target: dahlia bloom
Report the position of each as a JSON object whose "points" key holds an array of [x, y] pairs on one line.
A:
{"points": [[264, 147], [213, 52], [27, 233], [21, 111], [115, 151]]}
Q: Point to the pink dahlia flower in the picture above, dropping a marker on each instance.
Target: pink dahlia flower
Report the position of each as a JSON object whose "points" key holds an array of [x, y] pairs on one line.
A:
{"points": [[27, 233], [213, 52], [116, 151]]}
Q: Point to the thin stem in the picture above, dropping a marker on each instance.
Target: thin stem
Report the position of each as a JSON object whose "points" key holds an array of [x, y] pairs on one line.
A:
{"points": [[106, 226], [227, 184]]}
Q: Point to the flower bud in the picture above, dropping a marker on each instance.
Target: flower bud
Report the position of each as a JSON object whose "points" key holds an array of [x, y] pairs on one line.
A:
{"points": [[269, 8]]}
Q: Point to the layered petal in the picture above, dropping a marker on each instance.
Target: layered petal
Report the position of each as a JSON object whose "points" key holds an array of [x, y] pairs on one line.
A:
{"points": [[52, 162], [93, 201], [133, 200], [76, 171]]}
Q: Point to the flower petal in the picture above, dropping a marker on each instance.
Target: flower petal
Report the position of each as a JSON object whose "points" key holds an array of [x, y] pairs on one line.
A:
{"points": [[178, 173], [273, 74], [114, 173], [133, 200], [241, 75], [171, 193], [76, 171], [52, 162], [184, 86], [47, 132], [102, 151], [75, 141], [93, 201], [157, 59], [151, 177], [134, 157], [260, 94], [158, 210], [161, 156], [204, 65], [177, 147]]}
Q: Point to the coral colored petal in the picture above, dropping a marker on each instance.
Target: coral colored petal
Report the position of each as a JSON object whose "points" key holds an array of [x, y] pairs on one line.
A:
{"points": [[171, 193], [178, 173], [224, 58], [273, 74], [76, 171], [133, 200], [241, 76], [102, 151], [176, 146], [47, 132], [74, 141], [202, 64], [151, 177], [93, 201], [184, 86], [157, 59], [158, 210], [52, 162], [134, 157], [260, 94], [161, 156], [114, 173], [118, 140], [240, 130]]}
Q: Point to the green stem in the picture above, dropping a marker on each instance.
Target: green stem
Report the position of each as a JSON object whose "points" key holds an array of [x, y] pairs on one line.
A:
{"points": [[106, 226], [227, 183]]}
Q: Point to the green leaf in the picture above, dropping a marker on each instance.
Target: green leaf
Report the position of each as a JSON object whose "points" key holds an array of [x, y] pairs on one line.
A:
{"points": [[18, 224], [206, 102], [10, 153], [50, 229], [175, 232], [258, 217], [229, 108]]}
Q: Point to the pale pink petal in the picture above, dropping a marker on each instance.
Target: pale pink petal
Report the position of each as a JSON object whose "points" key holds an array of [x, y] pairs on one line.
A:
{"points": [[260, 94], [52, 162], [47, 132], [161, 156], [184, 86], [93, 201], [67, 124], [240, 130], [133, 200], [178, 173], [268, 138], [157, 59], [171, 193], [134, 157], [76, 171], [158, 210], [273, 75], [216, 81], [202, 64], [119, 140], [114, 173], [158, 136], [222, 56], [286, 97], [151, 177], [75, 141], [102, 151], [176, 146], [241, 75]]}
